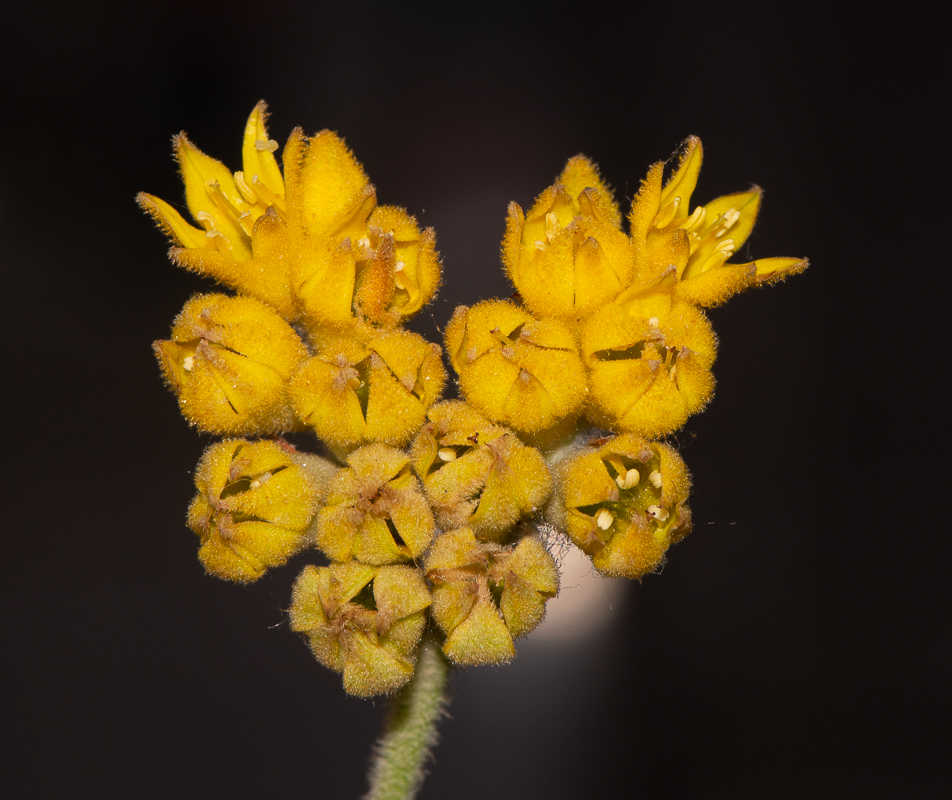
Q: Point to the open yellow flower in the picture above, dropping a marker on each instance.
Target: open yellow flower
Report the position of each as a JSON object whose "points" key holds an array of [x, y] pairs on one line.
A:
{"points": [[312, 243], [699, 243]]}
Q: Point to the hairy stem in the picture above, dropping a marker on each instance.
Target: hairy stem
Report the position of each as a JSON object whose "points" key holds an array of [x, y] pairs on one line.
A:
{"points": [[397, 769]]}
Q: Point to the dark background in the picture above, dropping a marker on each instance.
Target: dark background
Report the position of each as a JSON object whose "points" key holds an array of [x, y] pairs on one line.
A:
{"points": [[793, 645]]}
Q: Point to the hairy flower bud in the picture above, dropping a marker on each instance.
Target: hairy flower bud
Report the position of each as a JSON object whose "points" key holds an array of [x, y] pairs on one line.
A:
{"points": [[568, 255], [229, 360], [477, 474], [517, 370], [369, 386], [362, 621], [486, 595], [255, 504], [623, 501], [375, 510]]}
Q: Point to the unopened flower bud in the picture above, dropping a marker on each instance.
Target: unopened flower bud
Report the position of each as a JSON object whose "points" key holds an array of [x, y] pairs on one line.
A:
{"points": [[623, 503], [229, 360], [568, 254], [370, 386], [375, 510], [522, 372], [486, 595], [365, 622], [255, 504], [477, 474]]}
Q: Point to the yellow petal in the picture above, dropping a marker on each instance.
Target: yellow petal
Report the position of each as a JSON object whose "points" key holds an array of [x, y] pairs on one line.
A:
{"points": [[682, 183], [257, 152], [173, 224]]}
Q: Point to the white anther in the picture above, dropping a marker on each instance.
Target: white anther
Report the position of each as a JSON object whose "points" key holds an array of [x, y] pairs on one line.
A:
{"points": [[655, 479], [658, 513], [539, 245], [551, 225], [266, 144], [207, 220], [696, 219], [725, 246], [446, 454], [604, 519], [399, 266], [246, 191], [257, 482], [728, 220], [188, 362], [653, 322], [629, 479], [365, 242]]}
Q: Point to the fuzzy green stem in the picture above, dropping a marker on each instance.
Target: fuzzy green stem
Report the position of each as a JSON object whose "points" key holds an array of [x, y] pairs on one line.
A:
{"points": [[397, 769]]}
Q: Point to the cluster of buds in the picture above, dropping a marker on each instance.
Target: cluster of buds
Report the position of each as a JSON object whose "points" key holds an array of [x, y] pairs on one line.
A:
{"points": [[428, 511]]}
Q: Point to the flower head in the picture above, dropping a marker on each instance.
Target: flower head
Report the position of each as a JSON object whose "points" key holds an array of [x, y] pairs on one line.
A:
{"points": [[623, 501], [255, 505], [362, 621]]}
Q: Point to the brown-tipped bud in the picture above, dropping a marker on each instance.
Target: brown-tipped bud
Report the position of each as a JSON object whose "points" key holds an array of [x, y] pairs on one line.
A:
{"points": [[255, 503], [485, 595], [375, 510], [371, 386], [229, 360], [623, 503], [362, 621], [477, 474], [522, 372]]}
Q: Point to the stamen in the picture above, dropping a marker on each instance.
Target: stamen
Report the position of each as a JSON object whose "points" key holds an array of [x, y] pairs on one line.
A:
{"points": [[695, 221], [655, 479], [629, 479], [653, 322], [664, 217], [188, 362], [364, 242], [728, 220], [399, 266], [266, 144], [207, 221], [215, 190], [604, 519], [551, 225], [447, 454], [658, 513], [266, 196], [222, 242], [257, 482], [246, 191], [539, 245]]}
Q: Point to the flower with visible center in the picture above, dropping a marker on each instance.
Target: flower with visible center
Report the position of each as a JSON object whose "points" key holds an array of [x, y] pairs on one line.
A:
{"points": [[375, 510], [517, 370], [485, 595], [649, 359], [568, 254], [477, 474], [623, 502], [362, 621], [369, 386], [255, 504], [665, 232], [312, 242], [229, 361]]}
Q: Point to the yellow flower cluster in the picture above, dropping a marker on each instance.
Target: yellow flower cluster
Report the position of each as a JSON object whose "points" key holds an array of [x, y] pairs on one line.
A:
{"points": [[427, 510]]}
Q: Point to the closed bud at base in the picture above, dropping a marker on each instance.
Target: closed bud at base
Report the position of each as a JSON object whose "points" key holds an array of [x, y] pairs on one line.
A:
{"points": [[362, 621]]}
